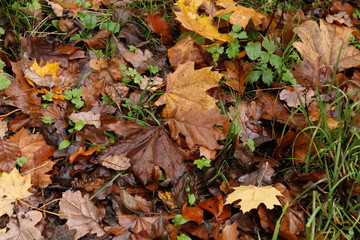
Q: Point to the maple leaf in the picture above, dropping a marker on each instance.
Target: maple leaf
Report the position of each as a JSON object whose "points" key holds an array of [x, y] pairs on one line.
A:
{"points": [[240, 15], [23, 227], [13, 186], [198, 127], [147, 148], [81, 214], [325, 43], [201, 24], [186, 88], [251, 197]]}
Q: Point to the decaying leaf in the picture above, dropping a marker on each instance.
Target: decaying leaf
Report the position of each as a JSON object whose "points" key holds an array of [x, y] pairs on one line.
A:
{"points": [[200, 128], [201, 24], [22, 227], [326, 43], [81, 214], [116, 162], [251, 197], [297, 96], [9, 152], [13, 186], [89, 118], [186, 88]]}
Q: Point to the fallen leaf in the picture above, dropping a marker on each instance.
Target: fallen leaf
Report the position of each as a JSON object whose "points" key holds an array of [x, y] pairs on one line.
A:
{"points": [[195, 214], [116, 162], [99, 40], [12, 188], [296, 96], [186, 88], [88, 118], [147, 148], [39, 176], [158, 24], [200, 128], [325, 43], [251, 197], [3, 128], [236, 74], [201, 24], [139, 59], [230, 232], [9, 152], [260, 177], [239, 14], [22, 227], [81, 214]]}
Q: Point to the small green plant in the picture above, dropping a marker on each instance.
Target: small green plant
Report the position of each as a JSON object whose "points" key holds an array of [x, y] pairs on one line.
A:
{"points": [[21, 161], [131, 74], [47, 120], [250, 143], [48, 97], [354, 41], [216, 51], [203, 162], [4, 81], [83, 3], [153, 69], [132, 48], [233, 48], [191, 196], [74, 96], [64, 144], [268, 65], [179, 219], [183, 237]]}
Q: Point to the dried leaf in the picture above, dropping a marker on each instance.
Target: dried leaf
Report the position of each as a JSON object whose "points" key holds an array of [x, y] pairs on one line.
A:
{"points": [[13, 187], [88, 118], [200, 128], [186, 89], [195, 214], [158, 24], [116, 162], [251, 197], [81, 214], [325, 43], [22, 227], [9, 152], [3, 128], [99, 40], [296, 96]]}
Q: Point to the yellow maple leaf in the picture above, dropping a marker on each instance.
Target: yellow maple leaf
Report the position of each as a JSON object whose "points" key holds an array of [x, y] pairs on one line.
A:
{"points": [[47, 69], [201, 24], [186, 89], [239, 14], [251, 197], [13, 187]]}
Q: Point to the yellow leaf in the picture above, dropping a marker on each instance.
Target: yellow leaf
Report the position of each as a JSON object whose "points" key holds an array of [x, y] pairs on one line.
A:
{"points": [[47, 69], [251, 197], [186, 89], [13, 187], [240, 15], [201, 24]]}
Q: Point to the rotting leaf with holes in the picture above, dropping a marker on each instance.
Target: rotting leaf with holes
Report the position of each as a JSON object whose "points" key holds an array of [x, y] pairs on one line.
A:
{"points": [[186, 88]]}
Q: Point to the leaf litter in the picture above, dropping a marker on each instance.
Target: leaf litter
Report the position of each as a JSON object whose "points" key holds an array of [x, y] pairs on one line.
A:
{"points": [[100, 133]]}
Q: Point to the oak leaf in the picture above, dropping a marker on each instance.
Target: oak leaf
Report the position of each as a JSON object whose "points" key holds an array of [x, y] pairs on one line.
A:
{"points": [[201, 24], [13, 186], [251, 197], [186, 88], [81, 214], [327, 44], [22, 227], [239, 14], [199, 127]]}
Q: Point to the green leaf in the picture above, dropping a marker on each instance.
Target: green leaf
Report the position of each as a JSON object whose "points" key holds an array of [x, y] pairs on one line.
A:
{"points": [[253, 50], [47, 119], [89, 21], [236, 28], [79, 125], [179, 219], [2, 64], [4, 82], [64, 144], [233, 49], [250, 143], [2, 31], [288, 77], [203, 162], [21, 161], [132, 48], [253, 76], [183, 237], [275, 61], [47, 96], [265, 57], [226, 17], [268, 45], [191, 198], [78, 102], [267, 76], [77, 92], [112, 26]]}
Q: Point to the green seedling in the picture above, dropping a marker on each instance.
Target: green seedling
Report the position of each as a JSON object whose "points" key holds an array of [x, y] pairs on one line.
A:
{"points": [[153, 69], [47, 120], [179, 219], [183, 237], [74, 96], [216, 51], [4, 81], [191, 196], [132, 48], [48, 97], [203, 162], [64, 144], [21, 161], [131, 75]]}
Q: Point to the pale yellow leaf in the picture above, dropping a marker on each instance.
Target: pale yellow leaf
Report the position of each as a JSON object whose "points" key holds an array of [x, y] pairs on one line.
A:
{"points": [[251, 197], [13, 186]]}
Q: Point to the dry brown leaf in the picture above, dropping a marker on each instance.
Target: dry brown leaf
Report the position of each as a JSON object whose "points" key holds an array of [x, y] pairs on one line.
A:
{"points": [[201, 24], [81, 214], [260, 177], [98, 64], [3, 128], [296, 95], [325, 43], [12, 187], [99, 40], [240, 15], [230, 232], [199, 127], [116, 162], [138, 59], [251, 197], [9, 152], [88, 118], [39, 176], [22, 227], [186, 89]]}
